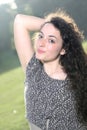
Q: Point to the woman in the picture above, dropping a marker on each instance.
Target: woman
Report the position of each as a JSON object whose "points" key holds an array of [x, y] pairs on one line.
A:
{"points": [[56, 71]]}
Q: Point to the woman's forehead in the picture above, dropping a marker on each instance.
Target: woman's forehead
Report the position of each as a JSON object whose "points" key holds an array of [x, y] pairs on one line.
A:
{"points": [[49, 29]]}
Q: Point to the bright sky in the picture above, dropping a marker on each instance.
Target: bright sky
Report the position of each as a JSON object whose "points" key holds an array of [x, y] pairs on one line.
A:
{"points": [[6, 1], [11, 2]]}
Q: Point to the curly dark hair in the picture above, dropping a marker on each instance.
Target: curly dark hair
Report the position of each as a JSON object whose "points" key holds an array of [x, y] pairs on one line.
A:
{"points": [[74, 61]]}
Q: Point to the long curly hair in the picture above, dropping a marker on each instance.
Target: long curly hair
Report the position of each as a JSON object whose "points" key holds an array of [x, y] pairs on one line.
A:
{"points": [[74, 61]]}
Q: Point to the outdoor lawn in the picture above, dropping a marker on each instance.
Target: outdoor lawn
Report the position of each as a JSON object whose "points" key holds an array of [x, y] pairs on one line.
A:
{"points": [[12, 110]]}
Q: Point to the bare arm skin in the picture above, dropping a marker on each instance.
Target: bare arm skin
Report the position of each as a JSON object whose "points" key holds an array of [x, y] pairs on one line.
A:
{"points": [[23, 24]]}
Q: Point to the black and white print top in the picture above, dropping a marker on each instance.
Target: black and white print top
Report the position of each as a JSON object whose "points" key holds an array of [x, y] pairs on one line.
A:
{"points": [[49, 102]]}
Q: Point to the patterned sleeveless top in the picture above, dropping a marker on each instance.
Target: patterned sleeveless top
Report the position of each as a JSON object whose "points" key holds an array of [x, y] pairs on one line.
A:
{"points": [[50, 103]]}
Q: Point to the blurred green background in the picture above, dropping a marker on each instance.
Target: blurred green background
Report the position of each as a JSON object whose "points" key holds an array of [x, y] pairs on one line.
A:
{"points": [[12, 109]]}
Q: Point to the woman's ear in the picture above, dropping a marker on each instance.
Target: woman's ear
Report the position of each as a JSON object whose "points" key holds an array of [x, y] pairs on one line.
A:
{"points": [[62, 52]]}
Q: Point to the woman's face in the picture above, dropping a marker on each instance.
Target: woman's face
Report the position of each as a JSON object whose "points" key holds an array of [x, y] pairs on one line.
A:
{"points": [[49, 43]]}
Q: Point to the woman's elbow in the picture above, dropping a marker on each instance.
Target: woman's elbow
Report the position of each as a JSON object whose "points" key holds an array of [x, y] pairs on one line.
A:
{"points": [[18, 19]]}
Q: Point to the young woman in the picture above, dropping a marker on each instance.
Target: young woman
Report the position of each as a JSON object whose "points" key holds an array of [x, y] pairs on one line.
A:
{"points": [[56, 71]]}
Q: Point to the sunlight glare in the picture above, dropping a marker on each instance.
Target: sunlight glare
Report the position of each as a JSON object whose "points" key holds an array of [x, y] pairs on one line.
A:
{"points": [[6, 1], [10, 2]]}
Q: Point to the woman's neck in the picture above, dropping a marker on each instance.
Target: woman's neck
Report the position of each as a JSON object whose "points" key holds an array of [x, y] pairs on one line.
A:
{"points": [[55, 70]]}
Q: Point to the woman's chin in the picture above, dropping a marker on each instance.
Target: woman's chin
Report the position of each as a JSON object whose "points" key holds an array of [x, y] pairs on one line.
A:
{"points": [[39, 57]]}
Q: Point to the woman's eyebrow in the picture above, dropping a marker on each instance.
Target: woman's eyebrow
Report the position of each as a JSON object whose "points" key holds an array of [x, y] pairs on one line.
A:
{"points": [[41, 32], [53, 36]]}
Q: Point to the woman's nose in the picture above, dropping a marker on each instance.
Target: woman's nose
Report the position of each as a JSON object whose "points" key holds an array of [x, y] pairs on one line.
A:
{"points": [[42, 42]]}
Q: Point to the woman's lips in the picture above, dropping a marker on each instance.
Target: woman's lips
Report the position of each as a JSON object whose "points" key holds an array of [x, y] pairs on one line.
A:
{"points": [[40, 51]]}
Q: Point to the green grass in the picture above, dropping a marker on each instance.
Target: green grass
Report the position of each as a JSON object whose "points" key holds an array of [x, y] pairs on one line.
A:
{"points": [[12, 109]]}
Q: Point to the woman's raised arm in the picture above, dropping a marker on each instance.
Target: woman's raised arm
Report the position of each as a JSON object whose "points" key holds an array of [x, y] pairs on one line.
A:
{"points": [[23, 24]]}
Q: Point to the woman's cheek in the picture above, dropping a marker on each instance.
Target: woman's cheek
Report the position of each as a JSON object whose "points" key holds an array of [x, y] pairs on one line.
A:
{"points": [[50, 47]]}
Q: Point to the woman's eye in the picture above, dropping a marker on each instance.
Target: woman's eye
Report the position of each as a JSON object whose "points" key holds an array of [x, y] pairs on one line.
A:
{"points": [[51, 41], [40, 36]]}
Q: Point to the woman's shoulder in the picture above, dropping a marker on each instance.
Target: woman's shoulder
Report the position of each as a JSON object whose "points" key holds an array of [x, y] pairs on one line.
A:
{"points": [[33, 66]]}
